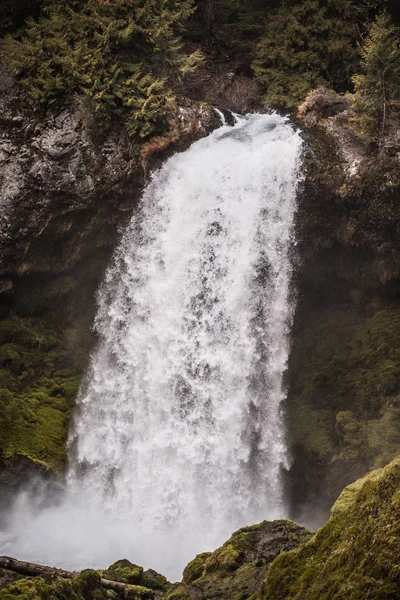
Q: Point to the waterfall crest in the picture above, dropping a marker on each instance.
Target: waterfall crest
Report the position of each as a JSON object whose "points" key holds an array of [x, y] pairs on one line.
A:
{"points": [[178, 437]]}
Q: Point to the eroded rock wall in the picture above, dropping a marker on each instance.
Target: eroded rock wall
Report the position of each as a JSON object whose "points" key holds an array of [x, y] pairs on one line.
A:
{"points": [[344, 371]]}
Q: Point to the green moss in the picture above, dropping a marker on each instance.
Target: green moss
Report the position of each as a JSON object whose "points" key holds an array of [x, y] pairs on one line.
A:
{"points": [[138, 592], [344, 400], [179, 592], [85, 586], [155, 581], [383, 435], [236, 570], [313, 429], [27, 589], [226, 558], [356, 555], [195, 568], [348, 495], [87, 583], [124, 571], [39, 378]]}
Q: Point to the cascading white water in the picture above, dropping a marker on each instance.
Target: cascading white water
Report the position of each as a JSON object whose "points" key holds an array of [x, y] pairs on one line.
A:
{"points": [[178, 437]]}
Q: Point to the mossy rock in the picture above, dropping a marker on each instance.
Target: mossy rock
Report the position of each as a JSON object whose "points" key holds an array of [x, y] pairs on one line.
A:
{"points": [[138, 592], [236, 570], [179, 592], [87, 583], [195, 568], [355, 555], [28, 589], [153, 580], [127, 572], [124, 571], [85, 586], [40, 373], [348, 496]]}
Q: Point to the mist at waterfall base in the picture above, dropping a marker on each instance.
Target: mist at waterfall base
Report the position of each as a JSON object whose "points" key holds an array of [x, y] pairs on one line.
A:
{"points": [[178, 437]]}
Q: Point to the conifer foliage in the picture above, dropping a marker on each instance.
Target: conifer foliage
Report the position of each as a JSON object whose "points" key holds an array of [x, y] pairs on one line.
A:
{"points": [[378, 86], [308, 44], [117, 56]]}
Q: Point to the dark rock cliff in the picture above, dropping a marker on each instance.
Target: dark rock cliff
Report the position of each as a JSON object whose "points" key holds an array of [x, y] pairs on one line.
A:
{"points": [[344, 371], [66, 184]]}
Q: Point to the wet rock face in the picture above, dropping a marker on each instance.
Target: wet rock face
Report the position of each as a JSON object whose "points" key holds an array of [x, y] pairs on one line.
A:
{"points": [[66, 184], [344, 369]]}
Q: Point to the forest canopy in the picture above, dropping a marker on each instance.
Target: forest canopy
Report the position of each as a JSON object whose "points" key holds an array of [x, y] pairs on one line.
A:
{"points": [[129, 57]]}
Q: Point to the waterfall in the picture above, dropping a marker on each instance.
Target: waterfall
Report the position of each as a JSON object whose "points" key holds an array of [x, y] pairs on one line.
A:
{"points": [[178, 437]]}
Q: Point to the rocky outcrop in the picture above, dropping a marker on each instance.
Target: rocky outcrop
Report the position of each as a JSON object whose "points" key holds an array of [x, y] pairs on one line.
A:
{"points": [[236, 570], [66, 184], [344, 369], [355, 555]]}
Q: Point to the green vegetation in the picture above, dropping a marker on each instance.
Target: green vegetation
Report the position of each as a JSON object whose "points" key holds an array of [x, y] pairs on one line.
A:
{"points": [[356, 555], [195, 569], [14, 12], [126, 572], [307, 45], [378, 86], [290, 47], [118, 58], [85, 586], [343, 356], [236, 570], [126, 57], [39, 377]]}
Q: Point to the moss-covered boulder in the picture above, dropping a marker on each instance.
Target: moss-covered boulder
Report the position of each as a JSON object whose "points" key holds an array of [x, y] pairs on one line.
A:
{"points": [[153, 580], [236, 569], [140, 581], [355, 555], [124, 571], [196, 568], [138, 592]]}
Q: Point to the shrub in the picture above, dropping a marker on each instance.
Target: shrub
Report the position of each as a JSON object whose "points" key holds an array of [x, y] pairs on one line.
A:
{"points": [[117, 57]]}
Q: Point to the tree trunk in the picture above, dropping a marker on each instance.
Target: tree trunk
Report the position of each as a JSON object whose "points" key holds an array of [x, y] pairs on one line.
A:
{"points": [[32, 569]]}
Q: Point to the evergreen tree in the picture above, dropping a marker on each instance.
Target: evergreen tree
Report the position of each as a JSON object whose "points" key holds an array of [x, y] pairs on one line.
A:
{"points": [[119, 57], [379, 83], [308, 44]]}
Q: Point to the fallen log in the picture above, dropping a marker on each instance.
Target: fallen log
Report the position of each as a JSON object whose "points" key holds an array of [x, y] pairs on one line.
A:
{"points": [[32, 569]]}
